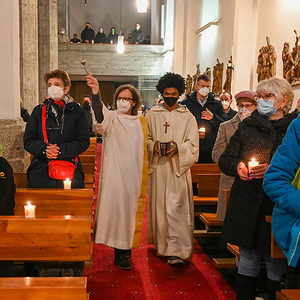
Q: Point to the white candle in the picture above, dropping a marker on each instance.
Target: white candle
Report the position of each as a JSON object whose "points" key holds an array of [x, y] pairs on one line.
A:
{"points": [[252, 163], [29, 211], [67, 184], [202, 129]]}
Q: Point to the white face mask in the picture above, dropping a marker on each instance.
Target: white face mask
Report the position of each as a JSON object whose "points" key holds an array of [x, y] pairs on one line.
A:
{"points": [[123, 106], [62, 32], [204, 91], [137, 27], [55, 92], [244, 113], [225, 104]]}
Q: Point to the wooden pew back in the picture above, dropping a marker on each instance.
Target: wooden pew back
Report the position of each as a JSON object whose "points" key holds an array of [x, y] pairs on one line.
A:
{"points": [[55, 202], [52, 288], [208, 185], [66, 239], [204, 169]]}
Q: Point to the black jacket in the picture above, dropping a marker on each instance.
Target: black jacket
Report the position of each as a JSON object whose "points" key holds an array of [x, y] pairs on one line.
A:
{"points": [[100, 38], [211, 126], [231, 113], [112, 37], [87, 34], [71, 136], [245, 222], [7, 188]]}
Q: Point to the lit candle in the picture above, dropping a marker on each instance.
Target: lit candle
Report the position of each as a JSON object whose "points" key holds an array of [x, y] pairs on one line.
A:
{"points": [[252, 163], [202, 129], [67, 184], [29, 210]]}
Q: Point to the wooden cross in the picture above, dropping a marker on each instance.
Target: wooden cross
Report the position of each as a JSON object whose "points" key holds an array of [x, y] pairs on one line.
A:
{"points": [[166, 126]]}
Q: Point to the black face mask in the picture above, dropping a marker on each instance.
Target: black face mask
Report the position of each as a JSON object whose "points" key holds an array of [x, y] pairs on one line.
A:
{"points": [[170, 101], [86, 104], [87, 27]]}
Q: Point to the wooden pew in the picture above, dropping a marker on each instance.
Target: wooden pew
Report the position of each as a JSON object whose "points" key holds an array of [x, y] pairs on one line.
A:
{"points": [[288, 295], [276, 251], [55, 202], [52, 288], [91, 150], [21, 180], [204, 169], [59, 238]]}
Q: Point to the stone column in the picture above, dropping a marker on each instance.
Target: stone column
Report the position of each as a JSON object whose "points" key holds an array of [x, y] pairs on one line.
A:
{"points": [[29, 54], [11, 124], [48, 41]]}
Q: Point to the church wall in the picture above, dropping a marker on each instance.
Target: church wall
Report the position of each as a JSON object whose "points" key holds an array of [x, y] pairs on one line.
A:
{"points": [[107, 15]]}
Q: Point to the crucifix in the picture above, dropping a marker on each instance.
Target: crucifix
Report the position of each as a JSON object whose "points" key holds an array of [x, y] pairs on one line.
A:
{"points": [[166, 126]]}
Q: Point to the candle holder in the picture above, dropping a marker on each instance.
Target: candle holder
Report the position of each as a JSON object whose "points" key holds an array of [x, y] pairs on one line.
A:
{"points": [[201, 131], [67, 184], [29, 211]]}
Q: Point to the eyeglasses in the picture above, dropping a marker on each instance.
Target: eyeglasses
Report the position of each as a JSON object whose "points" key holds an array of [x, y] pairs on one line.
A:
{"points": [[265, 97], [124, 99], [244, 105]]}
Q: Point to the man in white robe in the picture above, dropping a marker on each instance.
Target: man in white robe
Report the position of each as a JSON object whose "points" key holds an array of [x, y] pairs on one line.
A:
{"points": [[171, 207], [121, 170]]}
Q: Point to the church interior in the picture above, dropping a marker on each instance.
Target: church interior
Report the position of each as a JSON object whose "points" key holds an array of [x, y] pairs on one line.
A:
{"points": [[188, 37]]}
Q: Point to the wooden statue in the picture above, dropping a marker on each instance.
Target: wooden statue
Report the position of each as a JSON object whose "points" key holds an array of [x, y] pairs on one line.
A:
{"points": [[291, 62], [266, 61], [227, 83], [189, 83], [217, 78], [207, 72], [196, 76]]}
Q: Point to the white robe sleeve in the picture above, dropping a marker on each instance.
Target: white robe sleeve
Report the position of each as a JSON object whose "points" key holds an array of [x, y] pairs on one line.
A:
{"points": [[104, 127], [188, 151], [152, 158]]}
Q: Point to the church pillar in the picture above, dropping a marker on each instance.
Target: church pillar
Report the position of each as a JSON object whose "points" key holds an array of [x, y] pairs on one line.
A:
{"points": [[11, 124], [29, 54], [48, 41]]}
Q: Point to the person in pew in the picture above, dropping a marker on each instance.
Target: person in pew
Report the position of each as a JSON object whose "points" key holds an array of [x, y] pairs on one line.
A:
{"points": [[62, 37], [138, 34], [226, 100], [67, 132], [282, 184], [7, 205], [75, 39], [245, 225], [246, 104], [209, 114], [87, 34], [121, 169], [100, 36], [89, 113], [170, 206], [112, 38]]}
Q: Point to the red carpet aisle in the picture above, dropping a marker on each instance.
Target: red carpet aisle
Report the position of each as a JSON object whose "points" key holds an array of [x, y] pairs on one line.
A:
{"points": [[151, 278]]}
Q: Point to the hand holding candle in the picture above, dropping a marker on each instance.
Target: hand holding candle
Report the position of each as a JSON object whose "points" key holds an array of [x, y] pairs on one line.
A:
{"points": [[201, 131], [252, 163], [67, 184], [29, 211]]}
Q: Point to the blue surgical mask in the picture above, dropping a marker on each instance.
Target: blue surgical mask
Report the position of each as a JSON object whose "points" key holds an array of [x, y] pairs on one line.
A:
{"points": [[266, 108]]}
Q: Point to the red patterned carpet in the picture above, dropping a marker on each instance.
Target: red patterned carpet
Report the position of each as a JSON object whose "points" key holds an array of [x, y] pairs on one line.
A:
{"points": [[152, 278]]}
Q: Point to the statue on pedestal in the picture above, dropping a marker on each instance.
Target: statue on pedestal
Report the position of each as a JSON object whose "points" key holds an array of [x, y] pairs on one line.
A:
{"points": [[227, 83], [196, 76], [217, 78], [188, 85]]}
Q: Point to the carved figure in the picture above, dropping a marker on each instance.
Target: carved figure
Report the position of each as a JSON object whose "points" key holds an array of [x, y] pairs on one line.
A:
{"points": [[196, 76], [227, 83], [207, 72], [189, 83], [217, 78], [266, 61]]}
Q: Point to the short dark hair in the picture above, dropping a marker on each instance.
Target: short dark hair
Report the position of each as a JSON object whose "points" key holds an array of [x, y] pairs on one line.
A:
{"points": [[87, 96], [203, 77], [171, 80], [135, 96], [228, 94], [88, 23]]}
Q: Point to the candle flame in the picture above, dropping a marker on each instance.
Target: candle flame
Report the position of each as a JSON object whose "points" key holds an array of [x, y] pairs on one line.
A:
{"points": [[67, 180], [28, 203], [253, 159]]}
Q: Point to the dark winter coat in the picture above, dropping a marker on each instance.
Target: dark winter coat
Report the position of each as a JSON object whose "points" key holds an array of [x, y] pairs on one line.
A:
{"points": [[211, 126], [87, 34], [112, 37], [7, 188], [138, 36], [100, 38], [245, 222], [69, 131], [231, 113]]}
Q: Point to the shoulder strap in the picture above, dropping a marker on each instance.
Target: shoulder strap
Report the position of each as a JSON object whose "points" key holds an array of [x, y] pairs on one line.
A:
{"points": [[44, 124]]}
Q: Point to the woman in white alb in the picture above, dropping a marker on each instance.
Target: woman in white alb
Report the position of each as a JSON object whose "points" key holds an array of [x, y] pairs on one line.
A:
{"points": [[121, 169]]}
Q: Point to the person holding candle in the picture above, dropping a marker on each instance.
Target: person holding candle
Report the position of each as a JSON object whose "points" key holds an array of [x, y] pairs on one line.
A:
{"points": [[67, 133], [245, 225], [121, 169], [246, 104]]}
